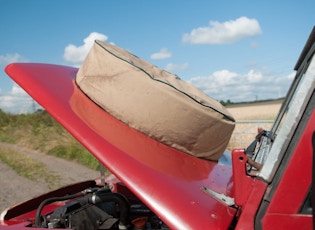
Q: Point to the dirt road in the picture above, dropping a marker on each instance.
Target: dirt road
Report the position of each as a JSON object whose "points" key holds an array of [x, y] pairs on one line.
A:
{"points": [[15, 188]]}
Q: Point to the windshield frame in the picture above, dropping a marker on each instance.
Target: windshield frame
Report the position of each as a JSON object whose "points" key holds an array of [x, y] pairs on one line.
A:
{"points": [[291, 110]]}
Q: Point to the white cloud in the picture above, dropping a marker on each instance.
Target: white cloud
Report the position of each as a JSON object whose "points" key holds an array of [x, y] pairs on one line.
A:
{"points": [[254, 76], [162, 54], [225, 32], [17, 101], [227, 85], [77, 54], [10, 58], [173, 67]]}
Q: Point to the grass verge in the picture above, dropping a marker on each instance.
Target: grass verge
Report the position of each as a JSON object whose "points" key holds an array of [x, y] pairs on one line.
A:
{"points": [[28, 167], [75, 153]]}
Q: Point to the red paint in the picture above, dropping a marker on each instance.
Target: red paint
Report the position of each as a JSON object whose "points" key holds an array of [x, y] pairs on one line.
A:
{"points": [[168, 181], [294, 185]]}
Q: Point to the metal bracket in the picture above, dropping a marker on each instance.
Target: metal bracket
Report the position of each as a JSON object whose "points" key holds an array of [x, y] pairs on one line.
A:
{"points": [[243, 183], [219, 196]]}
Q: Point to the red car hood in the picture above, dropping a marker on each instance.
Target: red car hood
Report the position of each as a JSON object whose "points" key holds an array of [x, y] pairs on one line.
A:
{"points": [[168, 181]]}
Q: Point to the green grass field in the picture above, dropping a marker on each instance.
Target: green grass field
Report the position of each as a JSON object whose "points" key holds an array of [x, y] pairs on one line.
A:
{"points": [[39, 131]]}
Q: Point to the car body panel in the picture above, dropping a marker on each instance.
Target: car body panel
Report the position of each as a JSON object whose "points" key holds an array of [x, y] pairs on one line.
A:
{"points": [[286, 202], [168, 181]]}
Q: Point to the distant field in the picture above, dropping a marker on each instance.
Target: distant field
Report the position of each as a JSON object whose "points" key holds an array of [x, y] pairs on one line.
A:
{"points": [[244, 133], [255, 111]]}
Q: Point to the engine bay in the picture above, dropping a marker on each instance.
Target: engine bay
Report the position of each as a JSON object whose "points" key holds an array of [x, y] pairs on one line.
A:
{"points": [[112, 206], [98, 208]]}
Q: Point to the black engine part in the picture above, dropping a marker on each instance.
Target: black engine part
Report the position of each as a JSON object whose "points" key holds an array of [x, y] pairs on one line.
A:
{"points": [[98, 209]]}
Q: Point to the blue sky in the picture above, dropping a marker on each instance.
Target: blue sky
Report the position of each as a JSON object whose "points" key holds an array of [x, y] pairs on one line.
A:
{"points": [[236, 50]]}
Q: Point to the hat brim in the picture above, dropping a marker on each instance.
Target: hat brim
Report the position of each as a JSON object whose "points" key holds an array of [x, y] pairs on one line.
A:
{"points": [[168, 181]]}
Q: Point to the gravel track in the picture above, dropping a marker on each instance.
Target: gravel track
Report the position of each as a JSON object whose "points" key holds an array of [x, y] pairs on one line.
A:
{"points": [[15, 188]]}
